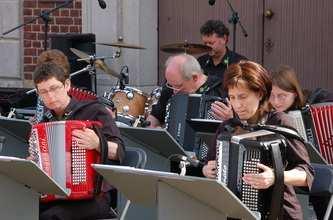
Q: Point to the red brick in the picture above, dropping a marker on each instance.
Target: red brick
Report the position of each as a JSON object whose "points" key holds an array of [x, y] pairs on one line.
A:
{"points": [[74, 29], [27, 28], [46, 4], [64, 29], [27, 60], [30, 4], [64, 12], [78, 4], [75, 13], [77, 21], [27, 18], [40, 36], [36, 27], [30, 52], [27, 11], [36, 44], [54, 28], [64, 20], [29, 36], [37, 11], [27, 43]]}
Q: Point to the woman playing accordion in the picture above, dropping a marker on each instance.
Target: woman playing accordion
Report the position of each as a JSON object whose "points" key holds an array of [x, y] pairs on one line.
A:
{"points": [[249, 86]]}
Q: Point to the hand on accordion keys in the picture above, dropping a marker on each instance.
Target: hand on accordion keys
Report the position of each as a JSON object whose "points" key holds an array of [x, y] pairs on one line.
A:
{"points": [[262, 180], [86, 138], [221, 110]]}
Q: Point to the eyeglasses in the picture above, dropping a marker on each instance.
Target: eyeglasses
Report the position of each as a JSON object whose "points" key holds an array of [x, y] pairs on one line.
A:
{"points": [[53, 89], [175, 88]]}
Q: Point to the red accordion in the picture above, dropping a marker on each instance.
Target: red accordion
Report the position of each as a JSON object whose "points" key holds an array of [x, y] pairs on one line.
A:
{"points": [[56, 153], [315, 124]]}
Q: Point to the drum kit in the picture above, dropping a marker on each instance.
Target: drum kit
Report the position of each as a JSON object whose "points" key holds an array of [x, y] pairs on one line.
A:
{"points": [[131, 105]]}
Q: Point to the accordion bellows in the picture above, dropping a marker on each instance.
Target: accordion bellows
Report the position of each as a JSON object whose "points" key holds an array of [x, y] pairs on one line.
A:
{"points": [[54, 150]]}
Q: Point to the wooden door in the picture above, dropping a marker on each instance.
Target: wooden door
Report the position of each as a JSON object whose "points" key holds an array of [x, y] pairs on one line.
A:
{"points": [[180, 20], [300, 34]]}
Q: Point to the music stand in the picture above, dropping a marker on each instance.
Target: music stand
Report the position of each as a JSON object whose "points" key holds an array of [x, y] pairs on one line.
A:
{"points": [[155, 139], [21, 181], [176, 197], [15, 134]]}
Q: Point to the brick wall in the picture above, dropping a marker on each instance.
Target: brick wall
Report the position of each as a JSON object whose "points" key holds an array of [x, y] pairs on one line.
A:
{"points": [[62, 21]]}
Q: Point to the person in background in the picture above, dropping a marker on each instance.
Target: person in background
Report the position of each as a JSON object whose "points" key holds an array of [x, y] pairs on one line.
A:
{"points": [[287, 93], [249, 86], [213, 64], [183, 75], [52, 84]]}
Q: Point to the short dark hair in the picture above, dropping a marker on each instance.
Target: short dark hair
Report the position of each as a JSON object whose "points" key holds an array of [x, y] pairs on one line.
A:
{"points": [[48, 70], [214, 26]]}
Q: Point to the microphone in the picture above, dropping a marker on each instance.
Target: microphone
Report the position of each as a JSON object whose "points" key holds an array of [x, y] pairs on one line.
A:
{"points": [[102, 4], [211, 2]]}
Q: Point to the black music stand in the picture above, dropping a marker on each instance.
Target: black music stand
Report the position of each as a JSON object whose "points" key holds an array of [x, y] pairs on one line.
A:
{"points": [[176, 197], [14, 134], [156, 140]]}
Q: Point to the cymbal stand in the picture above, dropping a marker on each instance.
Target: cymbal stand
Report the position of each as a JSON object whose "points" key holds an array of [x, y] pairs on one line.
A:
{"points": [[91, 70], [234, 19]]}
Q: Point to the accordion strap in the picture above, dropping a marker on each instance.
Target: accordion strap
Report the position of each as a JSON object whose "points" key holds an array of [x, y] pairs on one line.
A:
{"points": [[276, 211], [103, 158]]}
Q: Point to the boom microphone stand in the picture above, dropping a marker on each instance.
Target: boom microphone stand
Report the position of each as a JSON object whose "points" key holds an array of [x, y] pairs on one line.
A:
{"points": [[234, 19], [45, 16]]}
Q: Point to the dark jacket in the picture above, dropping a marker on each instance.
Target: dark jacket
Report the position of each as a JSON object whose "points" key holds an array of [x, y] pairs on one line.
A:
{"points": [[296, 157]]}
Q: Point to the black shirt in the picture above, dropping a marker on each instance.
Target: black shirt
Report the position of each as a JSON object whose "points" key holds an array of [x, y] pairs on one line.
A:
{"points": [[211, 87], [209, 68]]}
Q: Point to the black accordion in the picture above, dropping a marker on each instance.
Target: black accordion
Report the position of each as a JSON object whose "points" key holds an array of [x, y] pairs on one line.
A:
{"points": [[180, 109], [239, 154], [315, 124]]}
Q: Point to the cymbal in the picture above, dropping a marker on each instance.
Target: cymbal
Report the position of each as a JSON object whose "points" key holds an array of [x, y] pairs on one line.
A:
{"points": [[185, 47], [121, 44], [99, 63]]}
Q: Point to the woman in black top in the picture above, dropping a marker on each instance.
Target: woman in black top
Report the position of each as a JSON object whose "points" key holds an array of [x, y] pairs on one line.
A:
{"points": [[249, 86]]}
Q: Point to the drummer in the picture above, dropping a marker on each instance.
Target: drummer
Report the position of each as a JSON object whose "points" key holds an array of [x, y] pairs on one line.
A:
{"points": [[213, 64], [183, 75]]}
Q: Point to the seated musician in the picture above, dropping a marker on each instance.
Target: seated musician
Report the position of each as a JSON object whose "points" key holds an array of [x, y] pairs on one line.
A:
{"points": [[287, 93], [249, 86], [52, 84], [183, 75]]}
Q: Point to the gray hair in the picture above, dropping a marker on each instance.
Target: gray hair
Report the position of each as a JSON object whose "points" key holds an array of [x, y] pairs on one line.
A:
{"points": [[188, 65]]}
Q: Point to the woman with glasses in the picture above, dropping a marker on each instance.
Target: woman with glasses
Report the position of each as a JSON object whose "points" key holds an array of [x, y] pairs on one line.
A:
{"points": [[287, 93], [53, 84], [249, 87]]}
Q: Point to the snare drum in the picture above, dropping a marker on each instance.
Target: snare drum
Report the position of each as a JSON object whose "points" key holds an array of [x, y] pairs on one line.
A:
{"points": [[129, 101]]}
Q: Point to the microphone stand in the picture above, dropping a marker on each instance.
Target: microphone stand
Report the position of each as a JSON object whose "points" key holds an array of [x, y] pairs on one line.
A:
{"points": [[45, 16], [234, 19]]}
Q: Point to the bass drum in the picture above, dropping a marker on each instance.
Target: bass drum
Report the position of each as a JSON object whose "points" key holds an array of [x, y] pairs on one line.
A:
{"points": [[129, 102]]}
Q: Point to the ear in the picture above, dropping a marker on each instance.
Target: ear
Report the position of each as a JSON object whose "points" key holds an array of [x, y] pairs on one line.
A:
{"points": [[195, 77], [67, 84]]}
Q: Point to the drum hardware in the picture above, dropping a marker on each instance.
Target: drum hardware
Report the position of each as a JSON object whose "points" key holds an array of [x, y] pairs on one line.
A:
{"points": [[121, 44], [185, 47], [98, 61]]}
